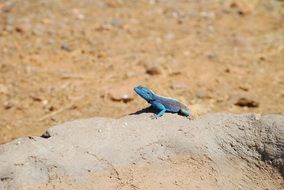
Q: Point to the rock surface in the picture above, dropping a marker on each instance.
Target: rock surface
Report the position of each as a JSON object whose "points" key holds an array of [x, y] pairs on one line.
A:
{"points": [[216, 151]]}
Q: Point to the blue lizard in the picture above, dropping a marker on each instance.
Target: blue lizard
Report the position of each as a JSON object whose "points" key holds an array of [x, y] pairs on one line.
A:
{"points": [[161, 103]]}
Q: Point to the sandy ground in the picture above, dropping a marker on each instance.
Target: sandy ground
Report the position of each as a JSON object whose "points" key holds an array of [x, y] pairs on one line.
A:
{"points": [[63, 60]]}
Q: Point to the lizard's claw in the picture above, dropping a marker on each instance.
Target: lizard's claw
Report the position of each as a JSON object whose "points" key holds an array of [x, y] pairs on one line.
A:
{"points": [[190, 117], [154, 116]]}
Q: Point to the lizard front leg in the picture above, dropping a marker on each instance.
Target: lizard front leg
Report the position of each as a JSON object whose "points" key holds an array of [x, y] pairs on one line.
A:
{"points": [[157, 105]]}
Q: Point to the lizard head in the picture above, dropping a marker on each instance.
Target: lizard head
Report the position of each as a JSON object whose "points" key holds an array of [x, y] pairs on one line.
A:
{"points": [[144, 92]]}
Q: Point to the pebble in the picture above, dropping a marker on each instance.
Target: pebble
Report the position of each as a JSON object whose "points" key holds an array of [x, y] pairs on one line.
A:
{"points": [[153, 70], [244, 88], [169, 36], [242, 7], [66, 47], [7, 105], [202, 94], [116, 22], [241, 41], [245, 102], [78, 14], [38, 30], [206, 14], [19, 29], [227, 70], [121, 94], [45, 135]]}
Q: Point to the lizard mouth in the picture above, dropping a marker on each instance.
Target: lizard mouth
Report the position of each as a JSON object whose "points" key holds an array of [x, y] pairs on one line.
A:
{"points": [[136, 89]]}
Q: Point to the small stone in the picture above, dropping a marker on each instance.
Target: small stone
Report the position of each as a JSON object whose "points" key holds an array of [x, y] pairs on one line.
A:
{"points": [[153, 70], [205, 14], [51, 108], [44, 102], [19, 29], [244, 88], [202, 94], [78, 15], [116, 22], [130, 74], [121, 94], [240, 41], [8, 105], [36, 98], [262, 58], [245, 102], [169, 36], [45, 135], [211, 55], [227, 70], [66, 47], [38, 30], [242, 7]]}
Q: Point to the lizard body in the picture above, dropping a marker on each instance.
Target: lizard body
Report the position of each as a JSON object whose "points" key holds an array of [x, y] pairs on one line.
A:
{"points": [[162, 103]]}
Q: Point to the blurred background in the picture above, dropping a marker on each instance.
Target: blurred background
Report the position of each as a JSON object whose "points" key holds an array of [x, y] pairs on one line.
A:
{"points": [[63, 60]]}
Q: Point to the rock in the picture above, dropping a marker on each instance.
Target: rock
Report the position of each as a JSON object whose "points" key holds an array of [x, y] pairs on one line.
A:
{"points": [[38, 29], [169, 36], [45, 135], [78, 14], [244, 88], [116, 22], [227, 70], [8, 105], [202, 94], [122, 93], [241, 42], [244, 102], [19, 29], [209, 15], [66, 47], [242, 7], [217, 151], [153, 70]]}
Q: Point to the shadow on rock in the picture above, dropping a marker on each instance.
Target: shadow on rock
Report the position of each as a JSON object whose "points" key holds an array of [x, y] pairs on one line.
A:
{"points": [[149, 109]]}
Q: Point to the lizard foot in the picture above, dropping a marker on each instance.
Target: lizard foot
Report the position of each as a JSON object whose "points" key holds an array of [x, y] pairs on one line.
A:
{"points": [[190, 117], [154, 116]]}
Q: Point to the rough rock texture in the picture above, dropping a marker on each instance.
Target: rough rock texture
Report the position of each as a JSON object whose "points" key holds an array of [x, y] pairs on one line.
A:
{"points": [[217, 151]]}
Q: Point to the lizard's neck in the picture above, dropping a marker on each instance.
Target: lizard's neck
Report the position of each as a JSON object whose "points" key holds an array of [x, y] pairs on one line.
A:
{"points": [[155, 97]]}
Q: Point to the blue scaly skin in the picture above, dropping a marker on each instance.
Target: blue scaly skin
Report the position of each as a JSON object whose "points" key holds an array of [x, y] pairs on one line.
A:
{"points": [[161, 103]]}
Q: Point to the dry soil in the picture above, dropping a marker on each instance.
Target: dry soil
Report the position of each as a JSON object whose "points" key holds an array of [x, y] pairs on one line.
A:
{"points": [[69, 59]]}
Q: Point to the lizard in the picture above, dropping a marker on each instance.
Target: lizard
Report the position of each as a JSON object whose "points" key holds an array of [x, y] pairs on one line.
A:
{"points": [[161, 103]]}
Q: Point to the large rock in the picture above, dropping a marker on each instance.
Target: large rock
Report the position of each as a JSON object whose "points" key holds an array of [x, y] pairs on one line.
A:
{"points": [[217, 151]]}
